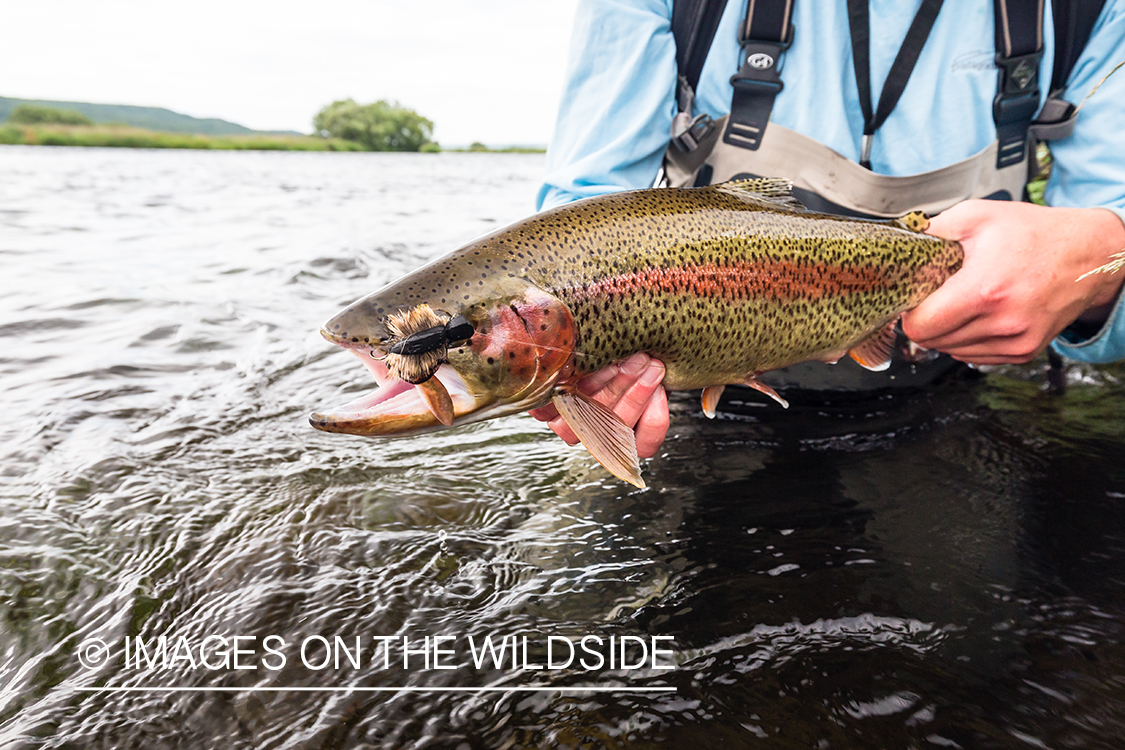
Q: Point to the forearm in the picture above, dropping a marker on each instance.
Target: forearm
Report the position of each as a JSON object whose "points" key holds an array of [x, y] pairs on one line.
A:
{"points": [[617, 101], [1098, 334], [1109, 240]]}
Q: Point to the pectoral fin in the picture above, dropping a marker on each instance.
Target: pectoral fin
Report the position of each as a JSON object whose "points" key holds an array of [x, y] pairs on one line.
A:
{"points": [[608, 439], [711, 399], [874, 352], [437, 400]]}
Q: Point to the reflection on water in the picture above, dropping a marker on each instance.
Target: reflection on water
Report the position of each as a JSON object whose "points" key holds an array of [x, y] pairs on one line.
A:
{"points": [[940, 569]]}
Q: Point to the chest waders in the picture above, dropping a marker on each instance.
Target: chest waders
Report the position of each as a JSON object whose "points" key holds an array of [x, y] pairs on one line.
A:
{"points": [[746, 144]]}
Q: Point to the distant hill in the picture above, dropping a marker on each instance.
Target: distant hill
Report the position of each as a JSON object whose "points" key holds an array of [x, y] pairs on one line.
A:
{"points": [[152, 118]]}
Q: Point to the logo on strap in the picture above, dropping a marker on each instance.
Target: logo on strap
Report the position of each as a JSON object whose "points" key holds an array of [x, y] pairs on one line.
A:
{"points": [[759, 60], [1023, 74]]}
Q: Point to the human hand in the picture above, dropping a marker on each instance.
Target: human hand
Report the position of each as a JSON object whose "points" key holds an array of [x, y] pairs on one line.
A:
{"points": [[631, 388], [1018, 286]]}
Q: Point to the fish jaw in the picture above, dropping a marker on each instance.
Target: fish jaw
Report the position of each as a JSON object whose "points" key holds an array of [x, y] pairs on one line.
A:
{"points": [[397, 407], [522, 348]]}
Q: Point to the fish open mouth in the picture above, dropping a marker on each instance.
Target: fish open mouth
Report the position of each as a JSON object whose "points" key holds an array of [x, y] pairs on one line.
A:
{"points": [[397, 407]]}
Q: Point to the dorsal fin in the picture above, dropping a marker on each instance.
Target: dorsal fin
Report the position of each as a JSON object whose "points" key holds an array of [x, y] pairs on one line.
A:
{"points": [[774, 190]]}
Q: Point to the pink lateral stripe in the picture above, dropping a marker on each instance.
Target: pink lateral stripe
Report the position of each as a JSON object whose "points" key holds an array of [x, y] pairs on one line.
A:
{"points": [[774, 280]]}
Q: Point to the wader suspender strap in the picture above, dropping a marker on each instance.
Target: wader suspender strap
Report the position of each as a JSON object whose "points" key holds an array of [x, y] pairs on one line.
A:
{"points": [[767, 32], [1074, 22], [860, 25], [694, 23], [764, 35], [1019, 48]]}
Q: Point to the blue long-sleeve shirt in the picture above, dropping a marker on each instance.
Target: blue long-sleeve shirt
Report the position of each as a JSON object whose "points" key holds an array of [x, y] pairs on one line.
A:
{"points": [[619, 100]]}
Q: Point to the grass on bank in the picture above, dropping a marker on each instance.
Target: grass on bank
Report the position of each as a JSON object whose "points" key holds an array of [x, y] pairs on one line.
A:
{"points": [[122, 136]]}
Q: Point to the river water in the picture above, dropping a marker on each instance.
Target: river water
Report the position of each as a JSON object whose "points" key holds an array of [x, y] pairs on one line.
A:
{"points": [[943, 568]]}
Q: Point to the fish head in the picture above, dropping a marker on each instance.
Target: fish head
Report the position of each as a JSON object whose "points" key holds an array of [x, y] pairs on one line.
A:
{"points": [[495, 353]]}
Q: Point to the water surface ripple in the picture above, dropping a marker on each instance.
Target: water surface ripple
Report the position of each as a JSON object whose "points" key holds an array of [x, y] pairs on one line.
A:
{"points": [[937, 569]]}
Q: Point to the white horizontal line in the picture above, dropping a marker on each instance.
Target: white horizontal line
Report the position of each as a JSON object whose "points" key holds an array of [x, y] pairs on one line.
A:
{"points": [[513, 689]]}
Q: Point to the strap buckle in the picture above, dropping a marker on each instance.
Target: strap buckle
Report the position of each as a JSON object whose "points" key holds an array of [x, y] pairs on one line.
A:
{"points": [[1056, 120], [761, 62], [1016, 102], [687, 133], [756, 84], [1018, 95]]}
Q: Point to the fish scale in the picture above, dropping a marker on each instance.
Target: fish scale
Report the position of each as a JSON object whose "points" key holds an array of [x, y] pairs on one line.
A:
{"points": [[719, 283]]}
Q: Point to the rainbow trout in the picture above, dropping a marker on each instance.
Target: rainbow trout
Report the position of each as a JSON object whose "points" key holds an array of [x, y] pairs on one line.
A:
{"points": [[720, 283]]}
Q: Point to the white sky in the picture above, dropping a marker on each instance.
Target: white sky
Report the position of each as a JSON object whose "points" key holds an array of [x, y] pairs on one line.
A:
{"points": [[482, 71]]}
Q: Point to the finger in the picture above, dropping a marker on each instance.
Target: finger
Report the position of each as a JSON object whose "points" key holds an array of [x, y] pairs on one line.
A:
{"points": [[634, 400], [596, 381], [941, 314], [606, 385], [627, 373], [559, 426], [947, 309], [628, 408], [652, 427], [984, 331], [958, 222], [590, 384], [544, 413]]}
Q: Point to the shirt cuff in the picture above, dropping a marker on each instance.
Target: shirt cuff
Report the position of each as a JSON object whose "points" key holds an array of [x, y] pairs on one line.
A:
{"points": [[1104, 345]]}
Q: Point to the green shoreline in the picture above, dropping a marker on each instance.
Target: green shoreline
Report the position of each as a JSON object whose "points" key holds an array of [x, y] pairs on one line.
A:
{"points": [[121, 136]]}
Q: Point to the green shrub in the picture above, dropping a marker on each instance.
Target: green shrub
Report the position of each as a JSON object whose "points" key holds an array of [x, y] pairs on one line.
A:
{"points": [[382, 126]]}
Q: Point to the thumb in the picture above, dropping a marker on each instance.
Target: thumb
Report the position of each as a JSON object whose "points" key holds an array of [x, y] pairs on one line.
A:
{"points": [[944, 311], [959, 222]]}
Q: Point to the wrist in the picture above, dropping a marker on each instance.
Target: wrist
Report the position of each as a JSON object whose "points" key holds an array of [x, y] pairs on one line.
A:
{"points": [[1106, 231]]}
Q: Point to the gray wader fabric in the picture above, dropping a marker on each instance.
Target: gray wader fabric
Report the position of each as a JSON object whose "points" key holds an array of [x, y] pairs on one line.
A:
{"points": [[814, 167], [826, 181]]}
